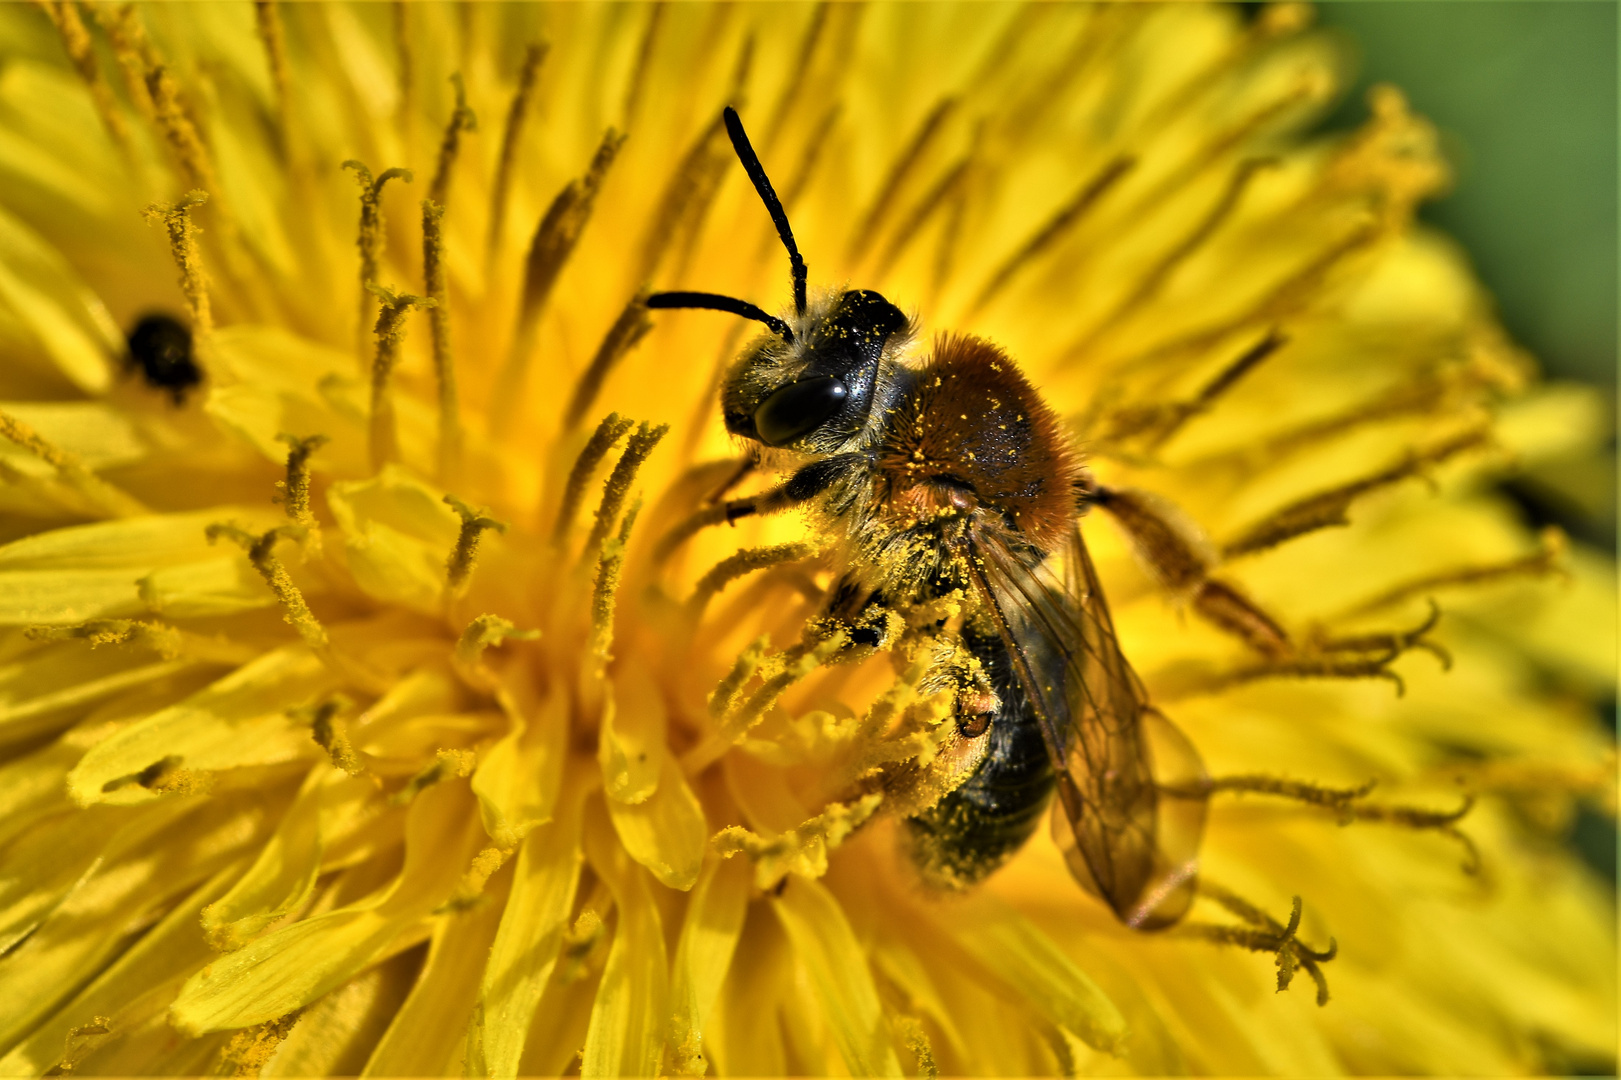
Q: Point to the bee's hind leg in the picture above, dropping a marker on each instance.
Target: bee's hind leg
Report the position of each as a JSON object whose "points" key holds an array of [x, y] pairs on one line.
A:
{"points": [[1260, 932], [1183, 561]]}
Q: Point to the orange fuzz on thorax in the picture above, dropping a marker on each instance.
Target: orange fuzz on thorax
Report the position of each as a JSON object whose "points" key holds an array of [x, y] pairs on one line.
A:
{"points": [[972, 435]]}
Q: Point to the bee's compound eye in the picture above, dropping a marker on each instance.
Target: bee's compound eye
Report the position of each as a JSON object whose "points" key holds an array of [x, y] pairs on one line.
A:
{"points": [[798, 409]]}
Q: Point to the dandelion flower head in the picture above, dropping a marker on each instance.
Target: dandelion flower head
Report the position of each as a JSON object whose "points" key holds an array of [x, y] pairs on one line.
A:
{"points": [[371, 699]]}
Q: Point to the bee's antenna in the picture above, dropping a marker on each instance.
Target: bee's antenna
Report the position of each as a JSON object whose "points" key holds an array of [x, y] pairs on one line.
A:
{"points": [[762, 184], [717, 302]]}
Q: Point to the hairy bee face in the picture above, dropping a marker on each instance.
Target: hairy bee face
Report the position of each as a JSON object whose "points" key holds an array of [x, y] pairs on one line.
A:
{"points": [[823, 390]]}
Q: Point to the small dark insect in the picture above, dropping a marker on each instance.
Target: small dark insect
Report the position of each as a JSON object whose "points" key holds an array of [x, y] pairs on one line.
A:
{"points": [[160, 348], [947, 474]]}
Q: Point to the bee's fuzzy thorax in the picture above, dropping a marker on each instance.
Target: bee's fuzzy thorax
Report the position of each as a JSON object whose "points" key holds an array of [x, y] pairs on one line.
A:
{"points": [[972, 420]]}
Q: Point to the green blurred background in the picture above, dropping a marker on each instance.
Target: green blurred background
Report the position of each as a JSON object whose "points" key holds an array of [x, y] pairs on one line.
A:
{"points": [[1524, 92]]}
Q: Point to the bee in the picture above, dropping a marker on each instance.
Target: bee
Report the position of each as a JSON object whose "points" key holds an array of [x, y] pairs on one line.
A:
{"points": [[946, 474], [160, 349]]}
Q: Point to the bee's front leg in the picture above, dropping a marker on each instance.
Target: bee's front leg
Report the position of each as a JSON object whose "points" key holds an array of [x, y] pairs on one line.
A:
{"points": [[805, 484], [746, 465]]}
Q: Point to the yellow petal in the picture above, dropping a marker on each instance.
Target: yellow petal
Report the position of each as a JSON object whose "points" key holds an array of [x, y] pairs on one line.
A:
{"points": [[628, 1017], [836, 966], [220, 586], [240, 720], [155, 858], [525, 949], [95, 432], [284, 874], [709, 937], [668, 833], [397, 533], [60, 148], [139, 543], [49, 686], [39, 868], [291, 967], [1015, 951], [333, 1037], [148, 974], [631, 746], [429, 1030], [76, 353], [270, 386], [517, 779]]}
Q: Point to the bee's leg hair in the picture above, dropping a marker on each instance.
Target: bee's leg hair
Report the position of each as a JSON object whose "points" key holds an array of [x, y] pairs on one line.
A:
{"points": [[745, 465], [1183, 561], [804, 485]]}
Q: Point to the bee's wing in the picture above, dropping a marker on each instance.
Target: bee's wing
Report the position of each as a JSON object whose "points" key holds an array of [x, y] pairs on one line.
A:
{"points": [[1128, 780]]}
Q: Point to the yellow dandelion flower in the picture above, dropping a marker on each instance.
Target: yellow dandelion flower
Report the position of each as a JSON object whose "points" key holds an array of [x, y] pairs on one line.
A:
{"points": [[384, 692]]}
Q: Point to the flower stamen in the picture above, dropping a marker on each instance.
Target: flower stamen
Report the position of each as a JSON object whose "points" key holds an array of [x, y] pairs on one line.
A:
{"points": [[169, 642], [617, 487], [555, 238], [802, 850], [610, 571], [444, 367], [459, 566], [1330, 508], [596, 448], [736, 720], [176, 219], [899, 171], [178, 129], [406, 108], [462, 119], [522, 98], [1155, 424], [644, 61], [296, 612], [64, 14], [1151, 282], [1062, 221], [132, 50], [446, 764], [370, 238], [484, 632], [627, 330], [97, 492], [81, 1041], [331, 733], [1264, 934], [250, 1049], [295, 490], [1398, 641], [166, 776], [1548, 559], [267, 21], [384, 439], [737, 565], [686, 198]]}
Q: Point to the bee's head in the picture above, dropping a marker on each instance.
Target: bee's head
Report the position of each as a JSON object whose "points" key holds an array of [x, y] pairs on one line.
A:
{"points": [[814, 390], [810, 384]]}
